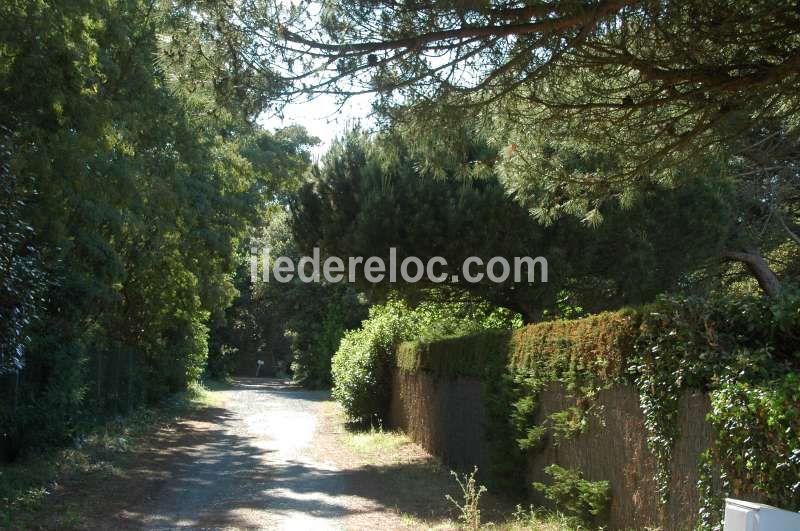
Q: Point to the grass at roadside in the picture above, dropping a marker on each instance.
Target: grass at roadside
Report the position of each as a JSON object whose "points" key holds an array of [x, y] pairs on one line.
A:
{"points": [[521, 520], [26, 484], [534, 520], [376, 446], [376, 443]]}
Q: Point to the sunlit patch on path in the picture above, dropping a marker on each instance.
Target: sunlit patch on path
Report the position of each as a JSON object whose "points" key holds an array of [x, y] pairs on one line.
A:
{"points": [[273, 455]]}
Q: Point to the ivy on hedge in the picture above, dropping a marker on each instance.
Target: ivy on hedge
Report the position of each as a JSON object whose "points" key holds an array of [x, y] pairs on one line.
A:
{"points": [[584, 355], [743, 352]]}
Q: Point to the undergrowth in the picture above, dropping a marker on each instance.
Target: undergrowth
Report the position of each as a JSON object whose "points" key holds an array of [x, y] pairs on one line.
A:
{"points": [[469, 511], [26, 483]]}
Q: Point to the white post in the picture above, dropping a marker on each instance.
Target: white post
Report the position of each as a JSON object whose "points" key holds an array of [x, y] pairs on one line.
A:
{"points": [[748, 516]]}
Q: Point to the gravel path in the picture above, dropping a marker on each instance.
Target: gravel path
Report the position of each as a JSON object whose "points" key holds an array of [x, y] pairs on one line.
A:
{"points": [[273, 457]]}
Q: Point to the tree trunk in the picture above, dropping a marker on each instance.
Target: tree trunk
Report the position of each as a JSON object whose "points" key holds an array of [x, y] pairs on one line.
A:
{"points": [[530, 314], [758, 267]]}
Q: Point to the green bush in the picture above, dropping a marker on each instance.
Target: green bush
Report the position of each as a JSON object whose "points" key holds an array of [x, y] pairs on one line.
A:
{"points": [[362, 366], [588, 501]]}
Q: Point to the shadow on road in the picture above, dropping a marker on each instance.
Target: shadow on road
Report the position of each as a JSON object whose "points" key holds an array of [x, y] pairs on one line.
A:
{"points": [[205, 472]]}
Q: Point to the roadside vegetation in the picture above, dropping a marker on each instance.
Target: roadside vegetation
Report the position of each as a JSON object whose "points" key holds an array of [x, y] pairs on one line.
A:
{"points": [[28, 485], [468, 508], [650, 150], [376, 442], [468, 504]]}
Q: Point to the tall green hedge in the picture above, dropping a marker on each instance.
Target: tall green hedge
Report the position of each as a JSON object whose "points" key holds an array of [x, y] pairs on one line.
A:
{"points": [[744, 352], [361, 368], [600, 342]]}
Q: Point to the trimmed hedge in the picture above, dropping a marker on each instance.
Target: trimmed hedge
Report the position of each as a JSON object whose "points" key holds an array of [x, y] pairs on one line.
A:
{"points": [[600, 342], [476, 354], [362, 366]]}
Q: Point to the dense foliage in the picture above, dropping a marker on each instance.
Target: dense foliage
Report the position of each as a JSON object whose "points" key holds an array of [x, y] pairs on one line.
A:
{"points": [[23, 280], [294, 327], [370, 195], [362, 366], [585, 102], [124, 202], [743, 352]]}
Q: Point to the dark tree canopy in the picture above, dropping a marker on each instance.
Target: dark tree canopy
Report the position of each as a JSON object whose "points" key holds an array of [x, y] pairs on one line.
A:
{"points": [[368, 196], [667, 78], [584, 101], [124, 201]]}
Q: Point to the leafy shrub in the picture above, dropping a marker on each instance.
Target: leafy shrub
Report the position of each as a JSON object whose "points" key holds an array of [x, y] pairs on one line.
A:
{"points": [[588, 501], [362, 366], [758, 439]]}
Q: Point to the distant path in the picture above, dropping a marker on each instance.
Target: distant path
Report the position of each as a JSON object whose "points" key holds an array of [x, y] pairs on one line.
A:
{"points": [[272, 457]]}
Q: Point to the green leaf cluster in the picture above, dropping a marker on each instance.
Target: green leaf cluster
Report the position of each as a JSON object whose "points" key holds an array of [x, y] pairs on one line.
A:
{"points": [[588, 501]]}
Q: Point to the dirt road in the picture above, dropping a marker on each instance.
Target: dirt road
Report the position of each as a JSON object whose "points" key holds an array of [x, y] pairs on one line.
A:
{"points": [[272, 456]]}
